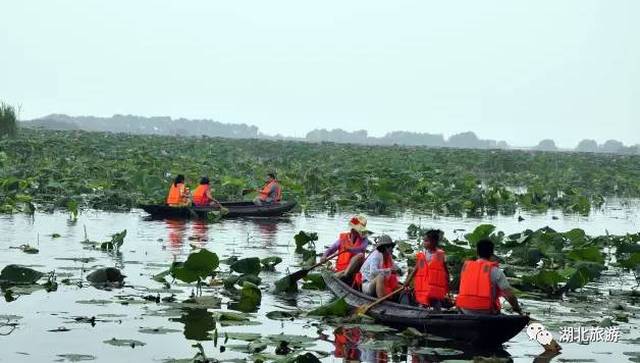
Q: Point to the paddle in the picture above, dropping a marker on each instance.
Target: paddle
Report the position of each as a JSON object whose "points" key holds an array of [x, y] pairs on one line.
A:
{"points": [[363, 309], [288, 282], [305, 271], [247, 191]]}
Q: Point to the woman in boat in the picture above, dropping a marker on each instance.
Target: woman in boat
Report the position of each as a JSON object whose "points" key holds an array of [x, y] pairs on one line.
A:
{"points": [[202, 196], [350, 247], [379, 271], [482, 283], [178, 194], [271, 192], [431, 282]]}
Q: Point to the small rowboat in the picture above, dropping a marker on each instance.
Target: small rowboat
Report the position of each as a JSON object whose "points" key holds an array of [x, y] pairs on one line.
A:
{"points": [[236, 209], [477, 330]]}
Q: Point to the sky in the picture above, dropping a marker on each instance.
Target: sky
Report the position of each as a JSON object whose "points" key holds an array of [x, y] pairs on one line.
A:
{"points": [[519, 71]]}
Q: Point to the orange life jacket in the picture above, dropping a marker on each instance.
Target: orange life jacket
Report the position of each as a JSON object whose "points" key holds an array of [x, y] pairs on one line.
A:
{"points": [[264, 193], [390, 282], [200, 197], [345, 257], [475, 287], [175, 194], [431, 277]]}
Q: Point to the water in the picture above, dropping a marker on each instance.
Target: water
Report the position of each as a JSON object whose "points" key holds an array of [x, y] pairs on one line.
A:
{"points": [[150, 246]]}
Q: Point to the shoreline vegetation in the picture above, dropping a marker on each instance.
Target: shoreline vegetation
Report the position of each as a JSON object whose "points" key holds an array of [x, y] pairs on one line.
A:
{"points": [[45, 170], [139, 125]]}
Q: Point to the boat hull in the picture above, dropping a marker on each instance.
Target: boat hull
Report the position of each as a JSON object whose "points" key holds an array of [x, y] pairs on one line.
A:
{"points": [[236, 210], [477, 330]]}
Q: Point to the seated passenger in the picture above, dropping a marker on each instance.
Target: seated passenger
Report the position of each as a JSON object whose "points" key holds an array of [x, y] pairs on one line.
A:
{"points": [[202, 195], [351, 247], [482, 283], [379, 272], [271, 192], [178, 194], [431, 284]]}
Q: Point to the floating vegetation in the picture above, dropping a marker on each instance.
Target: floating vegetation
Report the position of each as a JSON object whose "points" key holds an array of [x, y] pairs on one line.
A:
{"points": [[124, 342], [93, 173], [19, 275]]}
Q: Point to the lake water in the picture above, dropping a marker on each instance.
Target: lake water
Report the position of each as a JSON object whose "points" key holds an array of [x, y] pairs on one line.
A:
{"points": [[150, 246]]}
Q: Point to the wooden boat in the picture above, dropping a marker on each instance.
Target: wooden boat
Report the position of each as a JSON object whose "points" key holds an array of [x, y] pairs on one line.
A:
{"points": [[477, 330], [236, 209]]}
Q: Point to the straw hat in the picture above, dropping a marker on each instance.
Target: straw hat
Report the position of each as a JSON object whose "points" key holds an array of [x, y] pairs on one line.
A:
{"points": [[384, 240], [359, 224]]}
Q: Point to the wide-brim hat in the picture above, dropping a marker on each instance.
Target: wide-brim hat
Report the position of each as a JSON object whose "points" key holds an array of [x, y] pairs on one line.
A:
{"points": [[384, 240], [359, 224]]}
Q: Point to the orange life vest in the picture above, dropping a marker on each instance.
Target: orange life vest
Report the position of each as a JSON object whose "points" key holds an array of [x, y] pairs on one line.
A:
{"points": [[200, 197], [175, 194], [264, 193], [390, 282], [431, 277], [345, 257], [475, 287]]}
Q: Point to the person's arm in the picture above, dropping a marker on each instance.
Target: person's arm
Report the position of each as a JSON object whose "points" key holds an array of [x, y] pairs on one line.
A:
{"points": [[512, 299], [362, 248], [397, 268], [446, 270], [374, 261], [331, 250], [212, 199], [504, 289]]}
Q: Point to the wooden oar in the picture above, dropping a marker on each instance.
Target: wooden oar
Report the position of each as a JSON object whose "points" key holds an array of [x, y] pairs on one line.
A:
{"points": [[305, 271], [363, 309], [247, 191]]}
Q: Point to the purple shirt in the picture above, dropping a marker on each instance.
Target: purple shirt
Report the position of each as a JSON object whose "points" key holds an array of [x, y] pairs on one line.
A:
{"points": [[336, 246]]}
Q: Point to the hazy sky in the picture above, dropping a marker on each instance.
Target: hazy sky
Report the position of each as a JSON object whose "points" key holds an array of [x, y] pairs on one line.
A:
{"points": [[513, 70]]}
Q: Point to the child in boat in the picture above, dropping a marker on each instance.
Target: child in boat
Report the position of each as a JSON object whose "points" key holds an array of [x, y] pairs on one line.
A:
{"points": [[379, 271], [431, 284]]}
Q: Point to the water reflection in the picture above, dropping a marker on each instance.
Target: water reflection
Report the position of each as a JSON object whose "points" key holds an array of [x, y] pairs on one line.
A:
{"points": [[200, 232], [176, 229], [269, 230], [358, 345], [197, 323], [346, 343]]}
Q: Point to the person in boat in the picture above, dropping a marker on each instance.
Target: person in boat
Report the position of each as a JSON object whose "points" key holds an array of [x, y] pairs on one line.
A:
{"points": [[178, 193], [482, 282], [202, 196], [431, 281], [271, 192], [350, 247], [379, 271]]}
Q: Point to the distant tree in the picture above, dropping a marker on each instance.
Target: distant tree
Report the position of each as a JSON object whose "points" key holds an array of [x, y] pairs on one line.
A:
{"points": [[587, 146], [465, 140], [547, 145], [146, 125], [502, 145], [412, 139], [339, 136], [612, 146], [8, 120]]}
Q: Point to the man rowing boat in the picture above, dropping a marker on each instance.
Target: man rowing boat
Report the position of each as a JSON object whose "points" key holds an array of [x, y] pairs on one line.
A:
{"points": [[482, 283]]}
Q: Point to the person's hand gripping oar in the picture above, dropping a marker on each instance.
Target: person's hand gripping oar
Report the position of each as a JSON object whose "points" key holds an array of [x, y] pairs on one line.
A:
{"points": [[293, 278], [363, 309]]}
